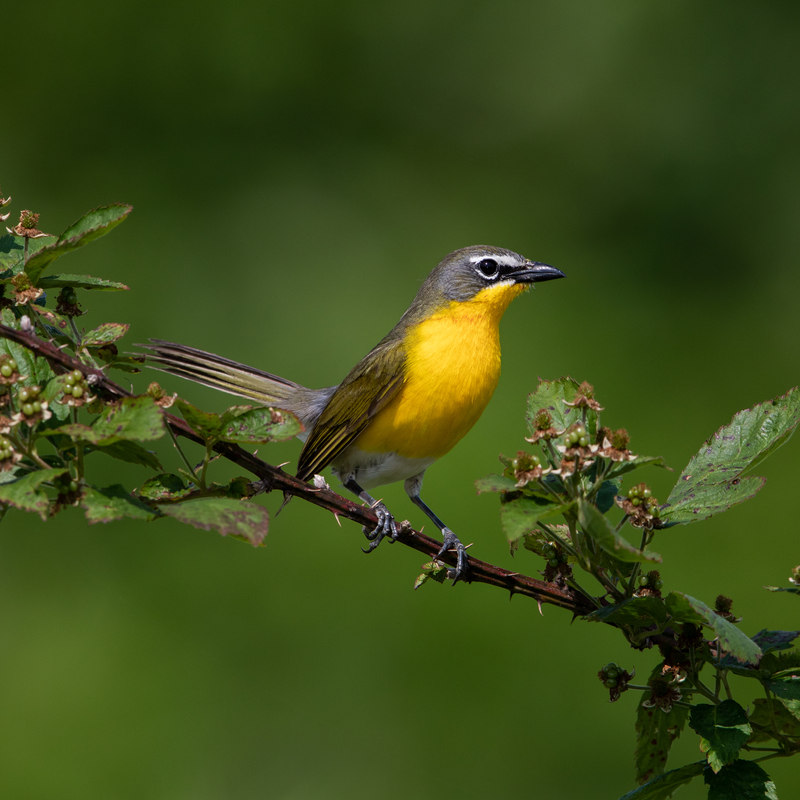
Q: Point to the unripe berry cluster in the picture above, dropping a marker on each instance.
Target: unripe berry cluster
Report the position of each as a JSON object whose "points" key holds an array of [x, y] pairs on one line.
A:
{"points": [[75, 385], [576, 436], [9, 371], [641, 495], [6, 449], [28, 400]]}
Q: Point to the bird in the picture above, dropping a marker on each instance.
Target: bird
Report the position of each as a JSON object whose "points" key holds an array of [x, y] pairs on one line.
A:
{"points": [[409, 400]]}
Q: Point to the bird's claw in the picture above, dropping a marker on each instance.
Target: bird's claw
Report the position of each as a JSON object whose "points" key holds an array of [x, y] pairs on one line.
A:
{"points": [[386, 527], [452, 542]]}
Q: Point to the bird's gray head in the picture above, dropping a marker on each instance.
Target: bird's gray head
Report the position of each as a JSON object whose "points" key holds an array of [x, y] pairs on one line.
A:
{"points": [[463, 273]]}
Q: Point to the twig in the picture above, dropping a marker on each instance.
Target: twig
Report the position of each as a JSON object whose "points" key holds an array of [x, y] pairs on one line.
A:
{"points": [[275, 479]]}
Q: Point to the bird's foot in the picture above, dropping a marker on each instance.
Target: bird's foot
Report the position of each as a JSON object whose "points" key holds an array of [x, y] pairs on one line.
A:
{"points": [[386, 527], [452, 542]]}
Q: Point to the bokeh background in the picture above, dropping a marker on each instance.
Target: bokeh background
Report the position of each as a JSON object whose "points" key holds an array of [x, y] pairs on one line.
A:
{"points": [[296, 170]]}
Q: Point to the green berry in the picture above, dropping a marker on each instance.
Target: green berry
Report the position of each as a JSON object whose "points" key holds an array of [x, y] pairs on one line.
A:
{"points": [[583, 441], [24, 395], [77, 375], [27, 409], [37, 407], [635, 501], [68, 379], [6, 371], [553, 562], [646, 492], [77, 391], [11, 363]]}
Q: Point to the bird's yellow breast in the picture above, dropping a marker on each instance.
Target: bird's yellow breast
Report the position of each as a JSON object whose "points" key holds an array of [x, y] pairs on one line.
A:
{"points": [[451, 370]]}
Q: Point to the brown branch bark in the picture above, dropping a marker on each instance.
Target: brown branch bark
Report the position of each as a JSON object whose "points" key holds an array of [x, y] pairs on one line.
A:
{"points": [[275, 479]]}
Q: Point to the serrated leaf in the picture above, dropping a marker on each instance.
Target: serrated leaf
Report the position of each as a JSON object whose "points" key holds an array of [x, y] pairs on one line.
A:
{"points": [[164, 486], [205, 423], [663, 786], [621, 467], [90, 226], [81, 282], [552, 396], [238, 518], [132, 452], [770, 715], [775, 640], [27, 494], [732, 640], [132, 418], [723, 730], [11, 251], [113, 503], [655, 733], [106, 333], [790, 589], [741, 780], [600, 530], [258, 425], [785, 685], [713, 479], [536, 539], [496, 483], [34, 369], [521, 515]]}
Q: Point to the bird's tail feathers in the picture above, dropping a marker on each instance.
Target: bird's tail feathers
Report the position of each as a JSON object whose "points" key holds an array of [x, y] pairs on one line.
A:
{"points": [[221, 373]]}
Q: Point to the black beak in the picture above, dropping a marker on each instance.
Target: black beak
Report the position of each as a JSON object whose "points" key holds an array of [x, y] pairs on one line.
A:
{"points": [[534, 272]]}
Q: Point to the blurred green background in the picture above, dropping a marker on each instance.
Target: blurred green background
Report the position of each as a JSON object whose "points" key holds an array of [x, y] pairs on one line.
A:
{"points": [[296, 170]]}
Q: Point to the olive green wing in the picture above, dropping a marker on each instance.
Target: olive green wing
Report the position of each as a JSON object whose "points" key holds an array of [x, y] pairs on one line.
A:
{"points": [[368, 388]]}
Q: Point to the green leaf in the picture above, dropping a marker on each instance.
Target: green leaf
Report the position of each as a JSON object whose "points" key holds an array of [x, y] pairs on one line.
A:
{"points": [[106, 333], [132, 418], [606, 495], [655, 733], [741, 780], [621, 467], [113, 503], [769, 713], [775, 640], [132, 452], [205, 423], [713, 479], [723, 729], [258, 425], [90, 226], [27, 494], [11, 251], [34, 369], [238, 518], [732, 640], [663, 786], [521, 515], [81, 282], [496, 483], [785, 685], [790, 589], [162, 487], [599, 529], [536, 539], [553, 395]]}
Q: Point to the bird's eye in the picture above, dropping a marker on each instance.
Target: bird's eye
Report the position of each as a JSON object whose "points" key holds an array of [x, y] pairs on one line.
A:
{"points": [[487, 267]]}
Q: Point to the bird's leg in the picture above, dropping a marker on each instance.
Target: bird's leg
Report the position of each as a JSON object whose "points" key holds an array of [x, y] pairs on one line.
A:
{"points": [[451, 541], [386, 525]]}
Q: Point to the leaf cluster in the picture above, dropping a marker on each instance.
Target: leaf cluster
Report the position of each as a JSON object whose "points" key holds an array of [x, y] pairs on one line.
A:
{"points": [[562, 501], [57, 428]]}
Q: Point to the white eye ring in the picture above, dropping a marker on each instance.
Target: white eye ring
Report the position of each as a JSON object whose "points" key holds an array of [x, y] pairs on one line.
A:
{"points": [[487, 268]]}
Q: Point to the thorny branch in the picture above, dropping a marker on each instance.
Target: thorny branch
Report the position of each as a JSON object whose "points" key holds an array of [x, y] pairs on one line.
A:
{"points": [[275, 479]]}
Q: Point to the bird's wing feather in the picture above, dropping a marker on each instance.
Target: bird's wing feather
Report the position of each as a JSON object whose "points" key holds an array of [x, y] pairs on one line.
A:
{"points": [[368, 388]]}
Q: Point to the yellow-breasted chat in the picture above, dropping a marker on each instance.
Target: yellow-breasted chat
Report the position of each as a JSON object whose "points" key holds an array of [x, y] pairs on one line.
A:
{"points": [[410, 399]]}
